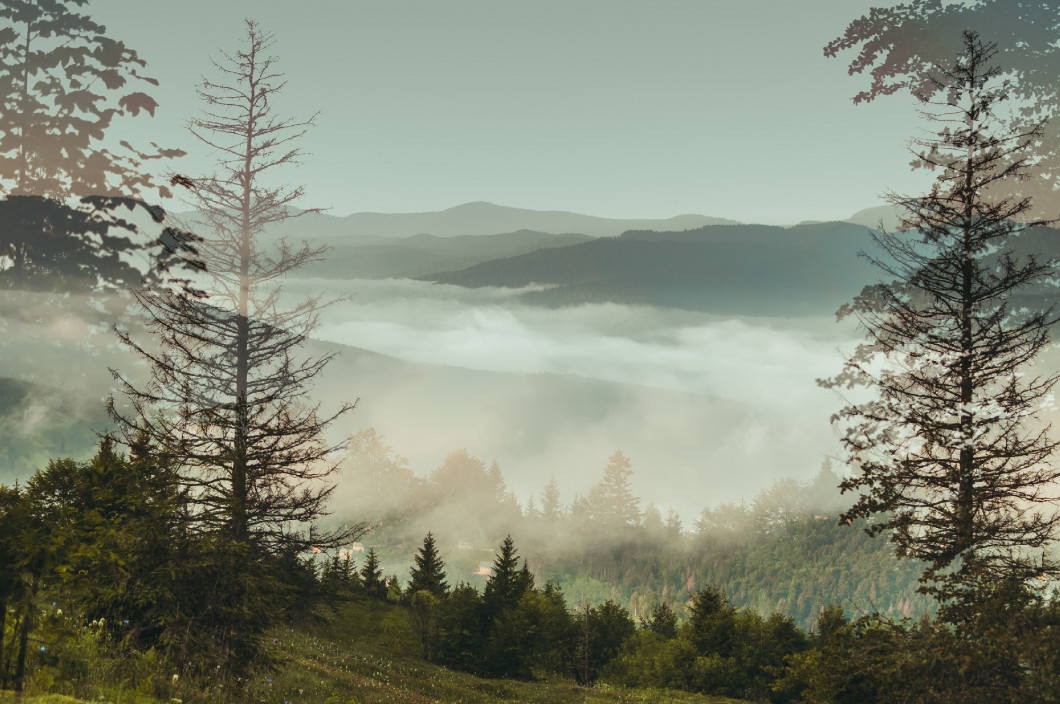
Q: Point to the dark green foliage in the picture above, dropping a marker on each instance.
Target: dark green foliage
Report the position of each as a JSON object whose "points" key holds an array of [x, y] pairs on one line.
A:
{"points": [[114, 524], [20, 570], [599, 633], [424, 608], [428, 572], [503, 655], [1008, 654], [662, 622], [338, 578], [508, 631], [54, 247], [719, 651], [372, 581], [111, 538], [459, 628], [711, 625], [513, 641], [507, 583]]}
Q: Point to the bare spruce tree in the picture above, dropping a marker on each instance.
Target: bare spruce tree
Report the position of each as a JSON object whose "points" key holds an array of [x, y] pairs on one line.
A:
{"points": [[227, 399], [950, 454]]}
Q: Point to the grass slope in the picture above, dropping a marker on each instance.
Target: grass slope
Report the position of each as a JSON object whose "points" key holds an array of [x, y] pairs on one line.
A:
{"points": [[364, 653], [367, 654]]}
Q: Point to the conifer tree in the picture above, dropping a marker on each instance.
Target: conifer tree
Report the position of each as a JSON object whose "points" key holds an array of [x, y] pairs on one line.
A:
{"points": [[551, 509], [951, 455], [507, 583], [227, 401], [428, 572], [613, 505], [673, 524], [663, 621], [372, 581]]}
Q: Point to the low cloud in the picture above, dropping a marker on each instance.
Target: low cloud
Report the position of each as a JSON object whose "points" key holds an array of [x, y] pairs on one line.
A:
{"points": [[707, 408]]}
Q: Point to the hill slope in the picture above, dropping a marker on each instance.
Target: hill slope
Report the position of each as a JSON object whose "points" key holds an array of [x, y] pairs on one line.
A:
{"points": [[726, 269], [423, 254]]}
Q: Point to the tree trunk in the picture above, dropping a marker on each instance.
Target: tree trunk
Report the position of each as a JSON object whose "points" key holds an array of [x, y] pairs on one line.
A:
{"points": [[966, 485], [23, 635]]}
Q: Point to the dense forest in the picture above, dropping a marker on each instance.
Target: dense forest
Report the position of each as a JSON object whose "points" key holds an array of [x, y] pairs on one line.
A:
{"points": [[199, 555]]}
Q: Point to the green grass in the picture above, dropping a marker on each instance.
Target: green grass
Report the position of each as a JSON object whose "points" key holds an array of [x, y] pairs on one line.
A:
{"points": [[367, 655], [364, 653]]}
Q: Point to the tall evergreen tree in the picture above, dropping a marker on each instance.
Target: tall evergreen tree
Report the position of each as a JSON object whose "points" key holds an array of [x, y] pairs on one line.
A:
{"points": [[551, 508], [673, 524], [227, 399], [508, 582], [951, 454], [613, 505], [662, 621], [372, 581], [226, 403], [428, 572]]}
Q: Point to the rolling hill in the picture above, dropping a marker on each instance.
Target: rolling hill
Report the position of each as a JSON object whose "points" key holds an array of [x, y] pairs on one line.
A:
{"points": [[423, 253], [725, 269]]}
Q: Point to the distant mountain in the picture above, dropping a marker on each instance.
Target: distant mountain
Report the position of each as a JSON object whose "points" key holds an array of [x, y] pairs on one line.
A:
{"points": [[727, 269], [473, 219], [890, 215], [424, 254]]}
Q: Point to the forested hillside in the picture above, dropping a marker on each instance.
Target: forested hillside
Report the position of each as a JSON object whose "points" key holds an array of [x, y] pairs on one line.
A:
{"points": [[726, 269], [425, 253], [784, 550], [193, 507]]}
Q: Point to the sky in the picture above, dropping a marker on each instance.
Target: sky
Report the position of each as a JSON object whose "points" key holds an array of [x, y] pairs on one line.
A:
{"points": [[611, 108]]}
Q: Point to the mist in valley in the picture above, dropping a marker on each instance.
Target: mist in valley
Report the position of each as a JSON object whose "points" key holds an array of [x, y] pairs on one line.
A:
{"points": [[708, 408]]}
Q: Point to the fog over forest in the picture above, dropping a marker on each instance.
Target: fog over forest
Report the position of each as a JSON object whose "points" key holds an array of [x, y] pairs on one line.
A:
{"points": [[708, 408]]}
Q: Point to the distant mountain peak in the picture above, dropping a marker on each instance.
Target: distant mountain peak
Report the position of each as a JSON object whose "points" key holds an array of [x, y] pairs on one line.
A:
{"points": [[485, 218]]}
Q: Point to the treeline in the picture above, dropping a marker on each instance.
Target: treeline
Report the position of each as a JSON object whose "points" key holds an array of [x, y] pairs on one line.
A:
{"points": [[513, 628], [785, 551]]}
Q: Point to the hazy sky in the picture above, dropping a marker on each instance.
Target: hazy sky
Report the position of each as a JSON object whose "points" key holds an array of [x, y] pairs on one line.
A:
{"points": [[612, 108]]}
